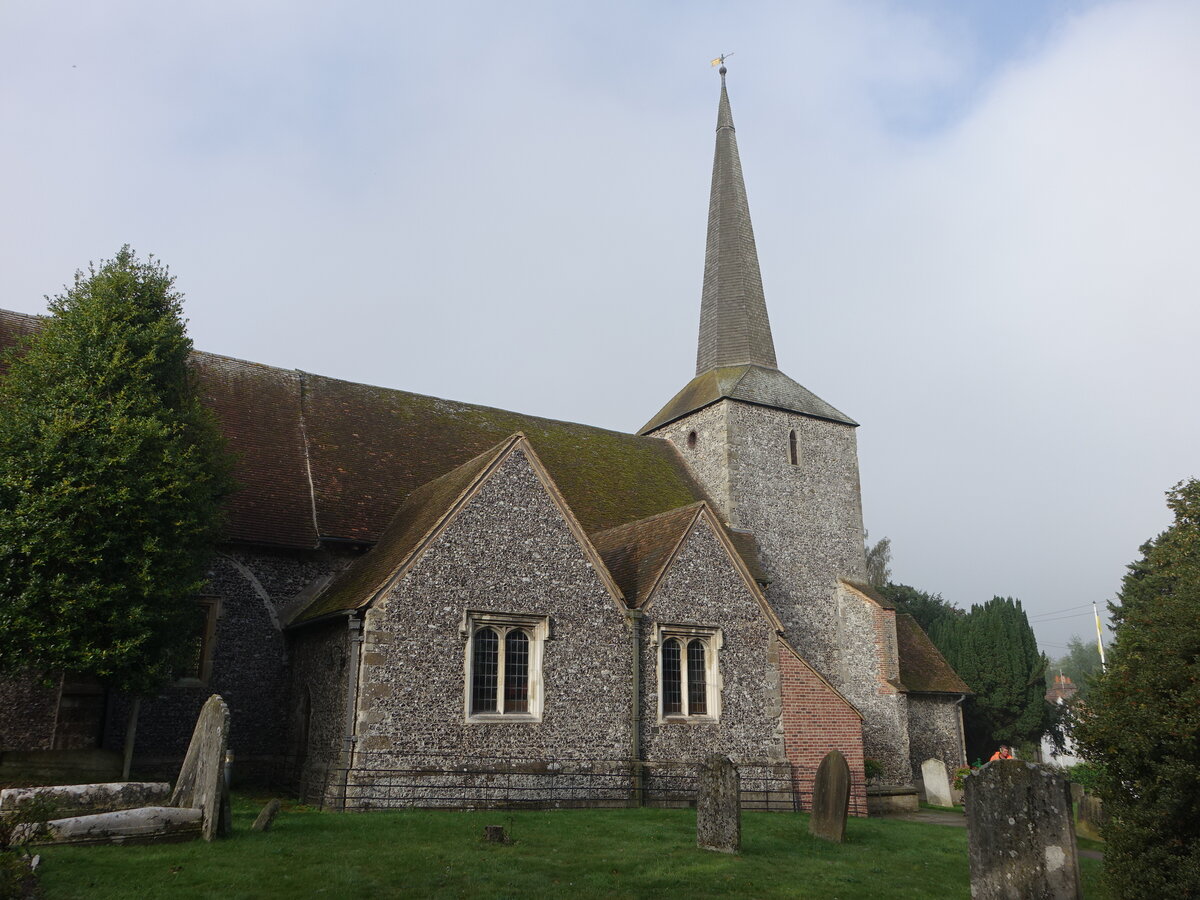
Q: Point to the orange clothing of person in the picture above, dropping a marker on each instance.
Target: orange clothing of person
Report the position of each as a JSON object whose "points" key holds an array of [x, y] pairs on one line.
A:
{"points": [[997, 755]]}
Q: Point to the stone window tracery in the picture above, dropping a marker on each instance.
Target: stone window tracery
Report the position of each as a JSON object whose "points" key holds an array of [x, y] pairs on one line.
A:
{"points": [[688, 674], [504, 666]]}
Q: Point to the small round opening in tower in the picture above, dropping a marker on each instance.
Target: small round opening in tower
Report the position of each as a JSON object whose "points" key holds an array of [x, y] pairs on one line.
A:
{"points": [[691, 440]]}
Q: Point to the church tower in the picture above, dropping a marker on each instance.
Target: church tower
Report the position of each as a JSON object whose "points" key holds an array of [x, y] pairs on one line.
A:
{"points": [[782, 464]]}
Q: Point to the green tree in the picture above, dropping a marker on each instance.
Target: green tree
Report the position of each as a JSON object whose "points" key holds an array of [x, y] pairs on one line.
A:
{"points": [[994, 650], [1081, 664], [879, 558], [1142, 719], [928, 609], [112, 478]]}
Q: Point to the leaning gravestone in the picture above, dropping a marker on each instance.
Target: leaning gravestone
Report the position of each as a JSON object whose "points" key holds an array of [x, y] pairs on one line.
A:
{"points": [[1020, 833], [718, 806], [831, 798], [937, 784], [201, 783]]}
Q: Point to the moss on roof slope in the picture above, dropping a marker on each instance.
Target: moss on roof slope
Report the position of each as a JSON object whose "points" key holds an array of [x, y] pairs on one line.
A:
{"points": [[637, 553], [416, 518], [371, 447], [923, 669]]}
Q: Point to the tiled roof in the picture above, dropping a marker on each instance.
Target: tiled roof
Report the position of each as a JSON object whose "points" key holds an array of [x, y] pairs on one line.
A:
{"points": [[416, 518], [320, 457], [636, 554], [751, 384], [923, 669]]}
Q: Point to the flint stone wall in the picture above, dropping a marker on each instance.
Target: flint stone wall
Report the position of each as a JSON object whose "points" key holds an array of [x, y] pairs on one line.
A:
{"points": [[509, 550], [807, 519], [29, 714], [704, 588], [249, 664], [935, 730], [320, 656]]}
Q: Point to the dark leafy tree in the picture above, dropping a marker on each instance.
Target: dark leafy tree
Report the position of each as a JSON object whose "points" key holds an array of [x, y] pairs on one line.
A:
{"points": [[994, 650], [112, 477], [1141, 723]]}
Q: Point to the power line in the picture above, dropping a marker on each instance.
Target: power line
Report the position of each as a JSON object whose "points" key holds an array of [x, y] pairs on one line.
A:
{"points": [[1055, 612]]}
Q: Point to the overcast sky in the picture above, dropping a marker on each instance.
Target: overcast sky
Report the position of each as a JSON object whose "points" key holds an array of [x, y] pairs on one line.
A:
{"points": [[977, 224]]}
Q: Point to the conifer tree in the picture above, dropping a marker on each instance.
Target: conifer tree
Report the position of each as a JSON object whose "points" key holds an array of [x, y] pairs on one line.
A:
{"points": [[112, 477], [994, 650], [1141, 722]]}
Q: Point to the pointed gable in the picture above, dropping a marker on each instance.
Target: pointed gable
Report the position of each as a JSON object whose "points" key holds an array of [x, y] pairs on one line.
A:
{"points": [[421, 517], [638, 554]]}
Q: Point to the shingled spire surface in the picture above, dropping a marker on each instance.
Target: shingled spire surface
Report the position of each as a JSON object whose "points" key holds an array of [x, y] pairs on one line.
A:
{"points": [[734, 328], [735, 359]]}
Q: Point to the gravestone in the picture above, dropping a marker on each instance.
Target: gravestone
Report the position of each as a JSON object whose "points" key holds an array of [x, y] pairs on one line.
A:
{"points": [[201, 783], [267, 817], [1021, 834], [1091, 817], [937, 783], [831, 798], [718, 806]]}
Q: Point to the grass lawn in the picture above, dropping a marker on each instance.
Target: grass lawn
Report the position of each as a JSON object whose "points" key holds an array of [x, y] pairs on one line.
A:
{"points": [[558, 853]]}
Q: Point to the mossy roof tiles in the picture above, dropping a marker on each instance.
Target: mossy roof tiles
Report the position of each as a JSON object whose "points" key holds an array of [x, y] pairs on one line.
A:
{"points": [[637, 553], [320, 458], [923, 669], [414, 521], [750, 384]]}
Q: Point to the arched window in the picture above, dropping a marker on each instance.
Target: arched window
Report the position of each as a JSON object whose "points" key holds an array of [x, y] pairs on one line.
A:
{"points": [[793, 449], [687, 671], [485, 670], [691, 440], [516, 672], [504, 665], [672, 679], [697, 679]]}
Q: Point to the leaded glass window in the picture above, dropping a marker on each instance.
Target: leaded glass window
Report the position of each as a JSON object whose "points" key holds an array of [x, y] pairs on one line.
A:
{"points": [[672, 681]]}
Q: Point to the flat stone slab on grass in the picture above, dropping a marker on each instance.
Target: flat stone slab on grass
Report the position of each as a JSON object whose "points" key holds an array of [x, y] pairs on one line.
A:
{"points": [[1020, 833], [85, 799], [150, 824]]}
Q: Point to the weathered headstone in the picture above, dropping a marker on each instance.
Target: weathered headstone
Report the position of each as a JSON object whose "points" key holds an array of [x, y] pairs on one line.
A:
{"points": [[495, 834], [718, 806], [86, 799], [1091, 816], [201, 783], [1020, 833], [267, 816], [937, 783], [831, 798]]}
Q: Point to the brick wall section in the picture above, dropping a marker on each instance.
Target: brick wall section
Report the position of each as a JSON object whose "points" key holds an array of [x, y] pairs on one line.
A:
{"points": [[27, 713], [509, 550], [703, 588], [815, 721], [935, 730]]}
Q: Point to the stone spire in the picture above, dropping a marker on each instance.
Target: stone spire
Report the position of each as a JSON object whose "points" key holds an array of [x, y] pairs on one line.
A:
{"points": [[734, 328]]}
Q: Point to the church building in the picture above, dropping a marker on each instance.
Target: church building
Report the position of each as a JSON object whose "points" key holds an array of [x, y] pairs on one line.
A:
{"points": [[418, 597]]}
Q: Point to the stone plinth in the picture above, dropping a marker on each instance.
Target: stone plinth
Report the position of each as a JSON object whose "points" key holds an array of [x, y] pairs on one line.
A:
{"points": [[150, 824], [718, 806], [1021, 834], [85, 799]]}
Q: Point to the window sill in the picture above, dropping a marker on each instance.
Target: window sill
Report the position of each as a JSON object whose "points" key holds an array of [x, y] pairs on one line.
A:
{"points": [[500, 718], [688, 720]]}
